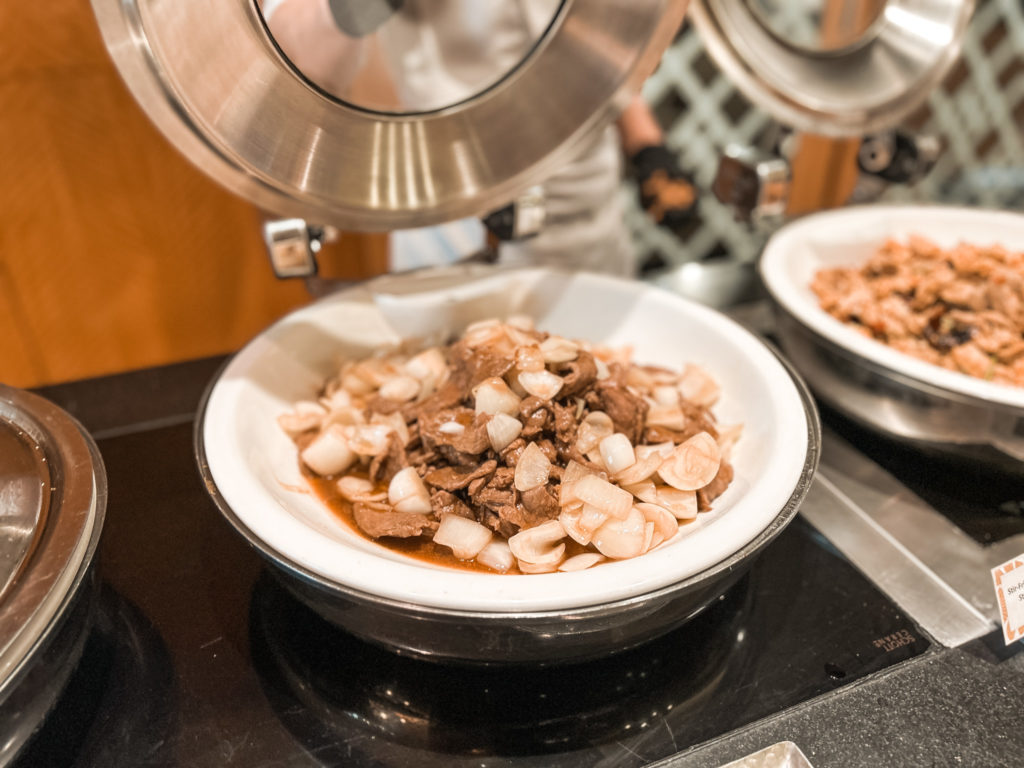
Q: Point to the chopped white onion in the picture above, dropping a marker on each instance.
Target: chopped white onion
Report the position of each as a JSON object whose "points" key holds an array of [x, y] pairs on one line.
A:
{"points": [[407, 493], [451, 428], [539, 545], [639, 378], [665, 523], [645, 490], [581, 520], [428, 365], [529, 359], [526, 567], [581, 562], [621, 538], [465, 537], [368, 439], [649, 534], [555, 349], [487, 322], [482, 332], [569, 517], [493, 396], [502, 429], [329, 453], [662, 449], [543, 383], [592, 430], [698, 387], [665, 395], [692, 464], [357, 385], [304, 416], [396, 422], [401, 389], [522, 322], [640, 470], [354, 488], [617, 453], [532, 469], [496, 555], [727, 438], [574, 471], [339, 398], [519, 338], [670, 416], [608, 498], [682, 504], [347, 416]]}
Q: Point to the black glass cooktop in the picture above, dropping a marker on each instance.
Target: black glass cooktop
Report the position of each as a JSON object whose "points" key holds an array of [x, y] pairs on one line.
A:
{"points": [[198, 657]]}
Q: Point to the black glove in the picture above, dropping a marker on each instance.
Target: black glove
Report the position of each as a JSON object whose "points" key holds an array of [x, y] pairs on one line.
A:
{"points": [[666, 193], [358, 18]]}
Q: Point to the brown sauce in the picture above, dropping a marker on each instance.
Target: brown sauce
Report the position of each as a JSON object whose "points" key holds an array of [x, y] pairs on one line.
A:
{"points": [[417, 547]]}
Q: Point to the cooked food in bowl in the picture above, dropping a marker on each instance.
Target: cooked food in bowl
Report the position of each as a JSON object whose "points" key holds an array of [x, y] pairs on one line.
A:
{"points": [[961, 308], [515, 450]]}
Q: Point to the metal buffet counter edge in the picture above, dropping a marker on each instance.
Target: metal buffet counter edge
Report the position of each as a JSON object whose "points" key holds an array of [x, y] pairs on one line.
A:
{"points": [[957, 704]]}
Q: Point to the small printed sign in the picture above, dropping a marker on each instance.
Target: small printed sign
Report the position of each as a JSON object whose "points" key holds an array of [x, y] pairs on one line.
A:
{"points": [[1009, 581]]}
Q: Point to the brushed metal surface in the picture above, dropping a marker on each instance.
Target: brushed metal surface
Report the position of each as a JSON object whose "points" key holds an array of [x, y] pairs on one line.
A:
{"points": [[211, 79], [855, 90], [886, 559], [915, 411]]}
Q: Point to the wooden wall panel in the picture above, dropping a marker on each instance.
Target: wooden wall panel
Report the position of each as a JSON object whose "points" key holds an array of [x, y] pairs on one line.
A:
{"points": [[115, 253]]}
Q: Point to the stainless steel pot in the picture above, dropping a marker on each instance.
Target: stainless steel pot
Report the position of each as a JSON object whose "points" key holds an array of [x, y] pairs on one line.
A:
{"points": [[929, 417], [54, 498]]}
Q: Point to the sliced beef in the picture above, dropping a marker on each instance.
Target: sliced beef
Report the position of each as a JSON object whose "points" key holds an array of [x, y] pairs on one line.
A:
{"points": [[445, 503], [384, 405], [463, 447], [457, 478], [627, 411], [542, 502], [376, 522], [389, 464], [471, 366], [511, 453], [517, 517], [577, 376], [536, 415], [450, 395], [566, 424], [715, 488]]}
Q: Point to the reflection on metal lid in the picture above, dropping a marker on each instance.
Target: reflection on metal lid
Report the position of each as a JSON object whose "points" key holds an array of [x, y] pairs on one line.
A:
{"points": [[52, 500]]}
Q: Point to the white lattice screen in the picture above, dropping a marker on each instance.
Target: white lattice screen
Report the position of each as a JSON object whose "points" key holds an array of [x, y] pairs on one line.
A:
{"points": [[978, 113]]}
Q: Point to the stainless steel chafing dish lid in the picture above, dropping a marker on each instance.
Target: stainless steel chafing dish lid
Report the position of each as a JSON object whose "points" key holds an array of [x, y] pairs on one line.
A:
{"points": [[52, 502], [334, 110], [840, 68]]}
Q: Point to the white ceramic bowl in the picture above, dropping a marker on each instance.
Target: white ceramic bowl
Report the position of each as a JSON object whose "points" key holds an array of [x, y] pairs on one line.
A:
{"points": [[934, 409], [255, 468], [847, 238]]}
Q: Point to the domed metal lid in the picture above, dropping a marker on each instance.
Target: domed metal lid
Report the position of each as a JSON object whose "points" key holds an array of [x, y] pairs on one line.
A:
{"points": [[52, 501], [837, 68], [381, 114]]}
